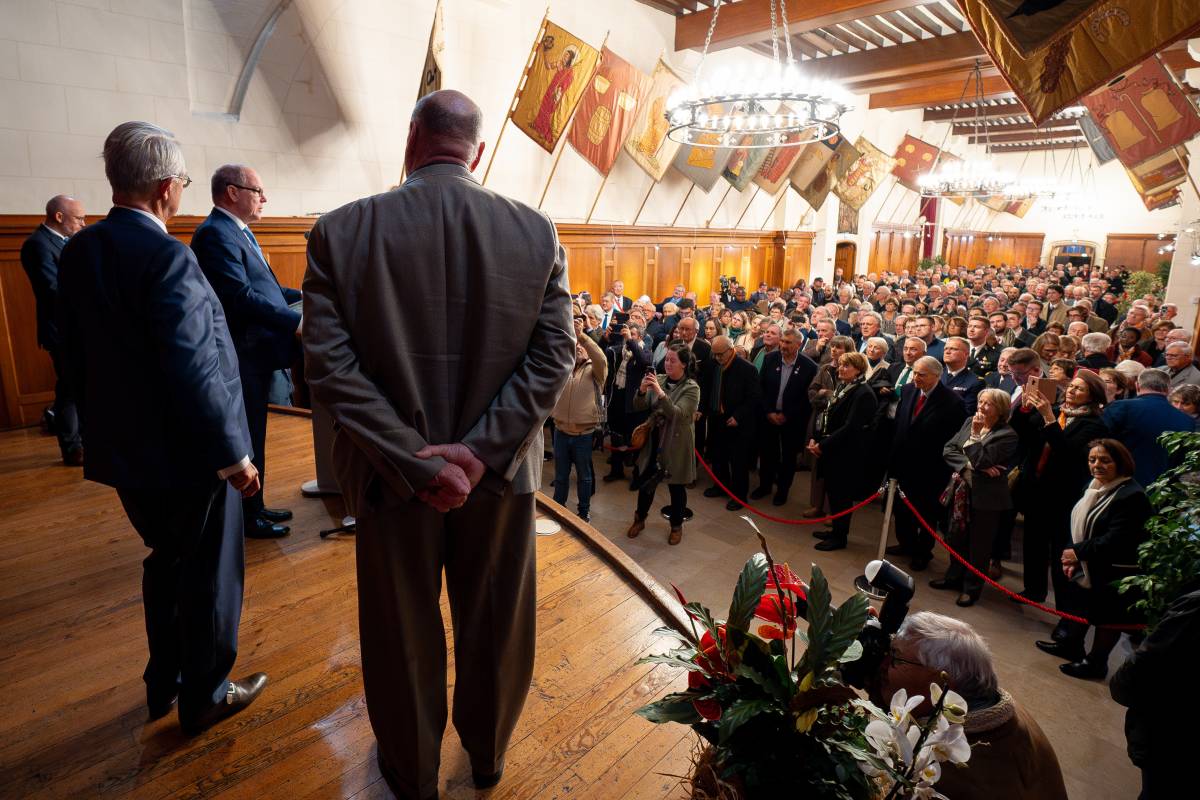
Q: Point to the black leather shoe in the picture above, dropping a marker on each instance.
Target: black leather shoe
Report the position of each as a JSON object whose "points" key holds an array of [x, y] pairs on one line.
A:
{"points": [[919, 563], [760, 492], [483, 781], [831, 543], [896, 550], [779, 499], [823, 533], [1064, 650], [241, 694], [943, 583], [1085, 669], [613, 476], [713, 491], [966, 600], [275, 514], [160, 708], [261, 529], [733, 505]]}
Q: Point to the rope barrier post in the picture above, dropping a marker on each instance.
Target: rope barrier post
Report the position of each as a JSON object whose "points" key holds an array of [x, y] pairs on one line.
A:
{"points": [[887, 517]]}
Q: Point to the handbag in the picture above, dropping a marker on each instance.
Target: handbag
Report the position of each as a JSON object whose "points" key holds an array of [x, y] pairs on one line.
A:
{"points": [[637, 439]]}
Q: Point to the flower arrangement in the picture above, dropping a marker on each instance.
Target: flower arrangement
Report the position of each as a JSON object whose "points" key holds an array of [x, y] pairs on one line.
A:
{"points": [[780, 722]]}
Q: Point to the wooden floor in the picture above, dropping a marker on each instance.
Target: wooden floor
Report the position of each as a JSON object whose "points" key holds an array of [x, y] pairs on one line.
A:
{"points": [[72, 649]]}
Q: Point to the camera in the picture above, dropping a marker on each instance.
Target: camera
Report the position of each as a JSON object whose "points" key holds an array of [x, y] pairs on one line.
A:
{"points": [[893, 588], [724, 281]]}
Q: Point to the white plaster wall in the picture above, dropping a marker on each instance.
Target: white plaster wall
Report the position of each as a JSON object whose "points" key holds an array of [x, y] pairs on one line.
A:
{"points": [[1183, 289]]}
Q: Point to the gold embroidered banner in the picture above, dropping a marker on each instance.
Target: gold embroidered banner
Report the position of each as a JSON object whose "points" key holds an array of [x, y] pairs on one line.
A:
{"points": [[1157, 174], [744, 163], [864, 174], [607, 111], [648, 144], [703, 163], [1052, 52], [779, 162], [562, 69], [819, 167], [431, 75]]}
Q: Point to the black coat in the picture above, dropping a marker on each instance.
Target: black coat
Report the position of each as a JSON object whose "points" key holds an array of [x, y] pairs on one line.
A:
{"points": [[740, 394], [916, 458], [795, 396], [1065, 473], [983, 363], [847, 433], [39, 258], [966, 385], [638, 365], [1110, 552]]}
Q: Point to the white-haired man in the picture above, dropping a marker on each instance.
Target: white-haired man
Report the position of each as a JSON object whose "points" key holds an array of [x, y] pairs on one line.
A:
{"points": [[160, 399], [1178, 356], [1010, 755]]}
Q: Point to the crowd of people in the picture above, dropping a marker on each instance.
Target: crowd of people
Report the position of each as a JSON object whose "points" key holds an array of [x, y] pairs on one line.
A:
{"points": [[991, 394]]}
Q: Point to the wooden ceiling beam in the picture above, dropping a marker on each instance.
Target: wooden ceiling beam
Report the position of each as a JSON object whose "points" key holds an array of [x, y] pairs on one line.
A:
{"points": [[959, 50], [840, 32], [883, 29], [1001, 110], [922, 77], [902, 24], [938, 94], [750, 20], [965, 128], [1021, 138], [924, 21], [804, 47], [938, 11], [863, 32], [819, 42], [1029, 148]]}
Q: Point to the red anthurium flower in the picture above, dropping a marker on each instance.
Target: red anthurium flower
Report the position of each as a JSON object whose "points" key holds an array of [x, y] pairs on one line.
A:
{"points": [[709, 709], [783, 577], [710, 656], [771, 610]]}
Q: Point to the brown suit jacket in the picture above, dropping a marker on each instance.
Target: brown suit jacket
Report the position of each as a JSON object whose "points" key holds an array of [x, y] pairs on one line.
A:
{"points": [[435, 313]]}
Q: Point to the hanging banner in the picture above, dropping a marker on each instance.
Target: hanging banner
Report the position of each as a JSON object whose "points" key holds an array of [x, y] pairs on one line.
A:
{"points": [[913, 159], [1157, 174], [864, 174], [996, 202], [820, 167], [847, 219], [562, 69], [779, 162], [703, 163], [1143, 113], [1101, 149], [1019, 208], [648, 144], [607, 111], [1051, 52], [744, 162], [1155, 202], [431, 75]]}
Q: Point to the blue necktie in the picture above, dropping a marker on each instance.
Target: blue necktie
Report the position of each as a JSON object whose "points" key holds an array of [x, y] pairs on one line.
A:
{"points": [[254, 242]]}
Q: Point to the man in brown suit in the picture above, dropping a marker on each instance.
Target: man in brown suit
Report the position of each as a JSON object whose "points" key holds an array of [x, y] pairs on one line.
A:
{"points": [[438, 413]]}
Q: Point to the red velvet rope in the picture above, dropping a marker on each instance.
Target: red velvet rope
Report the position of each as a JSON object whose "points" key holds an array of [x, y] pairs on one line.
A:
{"points": [[1004, 589], [781, 520]]}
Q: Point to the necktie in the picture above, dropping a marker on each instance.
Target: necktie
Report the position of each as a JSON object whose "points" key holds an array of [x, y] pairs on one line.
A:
{"points": [[604, 324], [904, 376], [919, 406], [254, 243]]}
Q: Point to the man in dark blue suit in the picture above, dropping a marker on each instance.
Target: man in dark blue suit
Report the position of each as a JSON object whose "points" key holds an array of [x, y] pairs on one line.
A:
{"points": [[957, 377], [149, 357], [784, 379], [1137, 423], [265, 330], [39, 257]]}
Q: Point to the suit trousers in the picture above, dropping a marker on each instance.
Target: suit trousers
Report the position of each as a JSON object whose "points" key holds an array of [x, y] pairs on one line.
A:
{"points": [[191, 589], [974, 544], [488, 552], [66, 417], [729, 455], [256, 388], [779, 447], [909, 532], [1046, 533], [620, 426]]}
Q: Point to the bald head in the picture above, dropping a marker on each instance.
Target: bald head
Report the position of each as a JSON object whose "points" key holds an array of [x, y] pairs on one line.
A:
{"points": [[65, 215], [446, 127]]}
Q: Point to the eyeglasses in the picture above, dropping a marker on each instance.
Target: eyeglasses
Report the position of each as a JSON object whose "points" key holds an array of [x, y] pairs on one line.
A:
{"points": [[186, 180], [258, 190], [901, 660]]}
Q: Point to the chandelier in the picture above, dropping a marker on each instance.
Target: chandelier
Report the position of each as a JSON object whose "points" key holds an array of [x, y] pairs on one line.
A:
{"points": [[960, 179], [777, 107]]}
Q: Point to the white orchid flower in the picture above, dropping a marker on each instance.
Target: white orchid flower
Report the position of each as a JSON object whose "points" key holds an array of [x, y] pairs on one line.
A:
{"points": [[902, 706], [893, 742], [949, 743], [923, 791], [955, 707], [930, 773]]}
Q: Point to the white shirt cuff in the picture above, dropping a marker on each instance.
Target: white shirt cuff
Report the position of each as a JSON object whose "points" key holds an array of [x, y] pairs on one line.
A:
{"points": [[235, 468]]}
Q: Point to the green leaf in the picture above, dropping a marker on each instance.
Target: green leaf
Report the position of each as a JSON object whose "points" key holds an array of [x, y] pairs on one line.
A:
{"points": [[853, 653], [738, 714], [847, 623], [675, 661], [772, 687], [748, 592], [819, 621], [668, 710]]}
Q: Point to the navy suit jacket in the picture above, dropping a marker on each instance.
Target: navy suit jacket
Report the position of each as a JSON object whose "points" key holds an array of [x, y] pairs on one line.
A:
{"points": [[149, 357], [966, 385], [795, 395], [1137, 424], [916, 457], [263, 327], [39, 257]]}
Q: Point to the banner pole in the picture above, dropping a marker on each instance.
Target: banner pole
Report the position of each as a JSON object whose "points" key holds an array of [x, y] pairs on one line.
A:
{"points": [[718, 208], [638, 215], [562, 145], [886, 197], [774, 208], [887, 518], [757, 189], [595, 202], [1186, 172], [512, 105], [691, 189]]}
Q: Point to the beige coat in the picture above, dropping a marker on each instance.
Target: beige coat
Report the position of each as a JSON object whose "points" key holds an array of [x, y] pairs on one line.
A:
{"points": [[576, 412]]}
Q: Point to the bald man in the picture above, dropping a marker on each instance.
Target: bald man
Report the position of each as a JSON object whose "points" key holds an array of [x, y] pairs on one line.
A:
{"points": [[438, 450], [39, 257]]}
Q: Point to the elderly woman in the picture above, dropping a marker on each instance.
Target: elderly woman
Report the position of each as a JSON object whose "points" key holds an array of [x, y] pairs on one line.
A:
{"points": [[819, 392], [887, 317], [840, 437], [876, 353], [1187, 399], [669, 452], [1107, 525], [978, 496]]}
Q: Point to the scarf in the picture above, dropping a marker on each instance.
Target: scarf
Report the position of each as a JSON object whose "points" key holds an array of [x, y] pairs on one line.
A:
{"points": [[1065, 417], [841, 391], [1096, 498]]}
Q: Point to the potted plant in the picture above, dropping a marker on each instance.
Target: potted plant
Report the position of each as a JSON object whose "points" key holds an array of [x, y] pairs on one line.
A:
{"points": [[773, 713]]}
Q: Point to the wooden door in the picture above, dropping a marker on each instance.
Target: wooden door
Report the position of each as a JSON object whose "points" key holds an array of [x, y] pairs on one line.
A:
{"points": [[844, 258]]}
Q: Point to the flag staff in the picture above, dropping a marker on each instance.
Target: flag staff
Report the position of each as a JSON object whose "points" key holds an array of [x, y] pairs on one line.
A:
{"points": [[512, 105], [643, 205], [684, 203], [718, 208], [599, 192], [771, 213], [741, 216], [563, 138]]}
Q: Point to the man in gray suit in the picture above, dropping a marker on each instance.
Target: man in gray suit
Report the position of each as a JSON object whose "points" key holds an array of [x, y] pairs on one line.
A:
{"points": [[438, 414]]}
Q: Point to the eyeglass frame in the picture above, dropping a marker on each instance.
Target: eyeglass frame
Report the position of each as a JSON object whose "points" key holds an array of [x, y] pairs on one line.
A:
{"points": [[185, 179], [895, 659], [261, 192]]}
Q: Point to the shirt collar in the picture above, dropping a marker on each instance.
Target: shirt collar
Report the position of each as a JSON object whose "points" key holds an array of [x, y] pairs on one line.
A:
{"points": [[161, 225], [54, 232], [241, 225]]}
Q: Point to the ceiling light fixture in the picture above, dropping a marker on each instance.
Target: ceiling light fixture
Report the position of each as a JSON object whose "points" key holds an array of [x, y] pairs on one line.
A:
{"points": [[960, 179]]}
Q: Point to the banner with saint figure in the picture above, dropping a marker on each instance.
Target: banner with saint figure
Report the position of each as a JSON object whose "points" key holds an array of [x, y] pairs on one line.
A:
{"points": [[703, 163], [562, 69], [607, 110], [648, 144], [859, 182], [819, 167], [744, 162]]}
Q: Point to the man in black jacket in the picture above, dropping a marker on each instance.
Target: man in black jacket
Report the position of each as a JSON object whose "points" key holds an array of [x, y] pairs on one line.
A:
{"points": [[628, 362], [784, 382], [928, 416], [729, 396], [39, 257]]}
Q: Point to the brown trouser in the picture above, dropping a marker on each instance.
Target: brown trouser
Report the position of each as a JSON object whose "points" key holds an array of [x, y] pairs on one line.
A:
{"points": [[487, 549]]}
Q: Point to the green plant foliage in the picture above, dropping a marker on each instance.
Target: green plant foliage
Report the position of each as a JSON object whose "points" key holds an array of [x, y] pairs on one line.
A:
{"points": [[747, 592], [1170, 556], [1139, 285], [1164, 271]]}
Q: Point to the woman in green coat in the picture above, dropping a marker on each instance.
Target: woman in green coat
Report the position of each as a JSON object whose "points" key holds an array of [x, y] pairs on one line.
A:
{"points": [[669, 454]]}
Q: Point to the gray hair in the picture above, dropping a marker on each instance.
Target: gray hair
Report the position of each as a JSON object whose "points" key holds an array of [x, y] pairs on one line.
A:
{"points": [[878, 341], [1130, 368], [918, 339], [999, 398], [227, 175], [864, 314], [952, 646], [930, 363], [1179, 344], [1154, 381], [137, 155], [1095, 342]]}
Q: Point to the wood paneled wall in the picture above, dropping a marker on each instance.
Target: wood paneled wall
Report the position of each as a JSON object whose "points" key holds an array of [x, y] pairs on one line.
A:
{"points": [[894, 249], [990, 247], [1134, 251], [649, 260]]}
